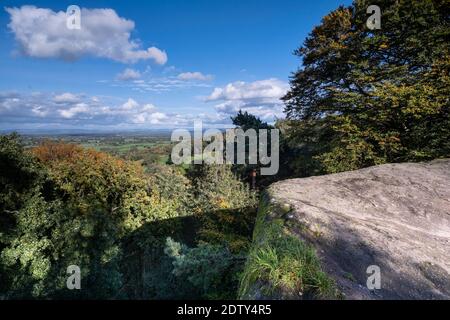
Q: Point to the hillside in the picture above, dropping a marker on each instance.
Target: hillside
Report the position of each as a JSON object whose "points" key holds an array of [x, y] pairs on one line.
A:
{"points": [[395, 216]]}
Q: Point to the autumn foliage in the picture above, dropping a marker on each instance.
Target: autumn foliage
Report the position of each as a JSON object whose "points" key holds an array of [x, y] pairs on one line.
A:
{"points": [[364, 97]]}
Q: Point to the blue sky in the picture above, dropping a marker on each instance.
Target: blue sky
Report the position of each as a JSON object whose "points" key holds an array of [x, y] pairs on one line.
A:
{"points": [[207, 60]]}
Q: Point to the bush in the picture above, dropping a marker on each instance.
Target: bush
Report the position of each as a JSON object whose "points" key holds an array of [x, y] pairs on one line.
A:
{"points": [[225, 207], [90, 208], [281, 265], [210, 270]]}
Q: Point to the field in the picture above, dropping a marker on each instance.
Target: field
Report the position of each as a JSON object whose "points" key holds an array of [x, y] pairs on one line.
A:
{"points": [[151, 148]]}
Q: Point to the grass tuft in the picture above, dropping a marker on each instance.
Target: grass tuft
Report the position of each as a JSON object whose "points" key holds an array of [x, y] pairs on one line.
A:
{"points": [[283, 265]]}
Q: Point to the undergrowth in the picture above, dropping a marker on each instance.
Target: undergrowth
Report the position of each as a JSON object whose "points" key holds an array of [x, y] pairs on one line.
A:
{"points": [[282, 265]]}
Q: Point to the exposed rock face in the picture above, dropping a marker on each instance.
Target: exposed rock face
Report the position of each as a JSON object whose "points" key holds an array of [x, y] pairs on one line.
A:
{"points": [[394, 216]]}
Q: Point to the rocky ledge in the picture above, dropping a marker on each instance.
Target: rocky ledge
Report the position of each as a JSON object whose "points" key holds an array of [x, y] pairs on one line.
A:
{"points": [[395, 217]]}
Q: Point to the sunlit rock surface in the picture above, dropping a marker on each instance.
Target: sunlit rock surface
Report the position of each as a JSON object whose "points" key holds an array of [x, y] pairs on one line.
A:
{"points": [[394, 216]]}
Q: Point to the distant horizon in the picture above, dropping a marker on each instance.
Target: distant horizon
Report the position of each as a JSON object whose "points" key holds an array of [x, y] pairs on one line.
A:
{"points": [[81, 131]]}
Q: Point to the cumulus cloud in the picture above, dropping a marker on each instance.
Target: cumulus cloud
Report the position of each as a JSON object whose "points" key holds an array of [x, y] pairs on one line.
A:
{"points": [[128, 74], [257, 90], [261, 98], [187, 76], [42, 33], [265, 111], [130, 104], [40, 110], [78, 110], [66, 98], [152, 118], [72, 111], [159, 56]]}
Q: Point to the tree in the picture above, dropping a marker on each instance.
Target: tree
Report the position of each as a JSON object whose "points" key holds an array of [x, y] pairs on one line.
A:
{"points": [[365, 97], [20, 174], [81, 207], [77, 206], [225, 207], [21, 181], [246, 121], [211, 271]]}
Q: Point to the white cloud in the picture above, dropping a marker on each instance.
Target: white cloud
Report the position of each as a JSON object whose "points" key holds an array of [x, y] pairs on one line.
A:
{"points": [[71, 112], [40, 110], [139, 118], [66, 97], [157, 117], [261, 98], [42, 33], [128, 74], [159, 56], [194, 76], [148, 107], [45, 109], [259, 90], [163, 84], [267, 112], [229, 107], [130, 104], [152, 118]]}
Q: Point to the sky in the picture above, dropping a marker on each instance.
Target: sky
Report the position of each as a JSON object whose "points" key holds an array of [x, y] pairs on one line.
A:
{"points": [[148, 64]]}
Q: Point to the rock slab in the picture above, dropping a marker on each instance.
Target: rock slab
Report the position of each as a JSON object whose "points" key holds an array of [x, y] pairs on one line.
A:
{"points": [[395, 217]]}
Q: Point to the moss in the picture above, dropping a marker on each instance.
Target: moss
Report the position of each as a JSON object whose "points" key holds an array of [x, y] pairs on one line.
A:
{"points": [[349, 276], [280, 264]]}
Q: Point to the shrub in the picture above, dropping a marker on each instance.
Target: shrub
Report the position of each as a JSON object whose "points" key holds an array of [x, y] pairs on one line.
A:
{"points": [[211, 270], [282, 265]]}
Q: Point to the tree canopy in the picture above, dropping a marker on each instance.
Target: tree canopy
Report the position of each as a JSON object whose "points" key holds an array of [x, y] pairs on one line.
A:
{"points": [[246, 121], [62, 205], [364, 97]]}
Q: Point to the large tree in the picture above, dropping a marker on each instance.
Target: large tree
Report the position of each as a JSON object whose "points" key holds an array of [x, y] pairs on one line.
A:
{"points": [[366, 97]]}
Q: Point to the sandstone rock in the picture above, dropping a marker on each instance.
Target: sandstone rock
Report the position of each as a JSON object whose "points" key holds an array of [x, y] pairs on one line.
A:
{"points": [[395, 216]]}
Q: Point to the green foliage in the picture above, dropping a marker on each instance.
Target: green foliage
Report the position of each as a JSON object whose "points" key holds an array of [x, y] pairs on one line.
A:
{"points": [[219, 234], [210, 270], [77, 206], [246, 121], [21, 178], [225, 206], [147, 268], [368, 97], [172, 184], [281, 264], [20, 175], [90, 208]]}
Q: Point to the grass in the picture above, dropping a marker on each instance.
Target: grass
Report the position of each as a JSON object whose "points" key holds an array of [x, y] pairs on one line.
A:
{"points": [[120, 147], [123, 148], [283, 265]]}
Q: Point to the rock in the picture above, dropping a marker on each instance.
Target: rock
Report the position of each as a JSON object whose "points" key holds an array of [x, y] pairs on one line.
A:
{"points": [[394, 216]]}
